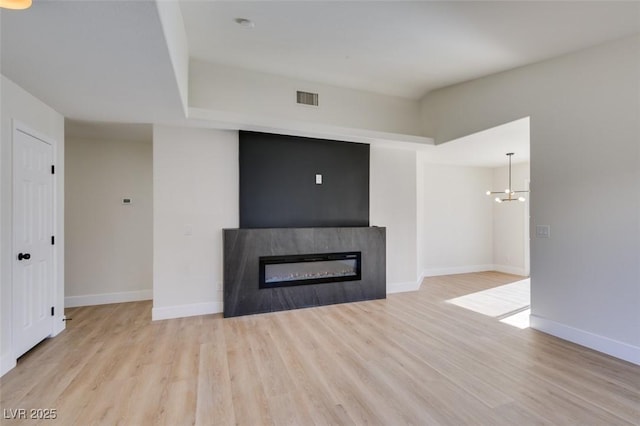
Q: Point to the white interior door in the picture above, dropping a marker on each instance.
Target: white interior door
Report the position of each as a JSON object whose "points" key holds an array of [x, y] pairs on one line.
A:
{"points": [[32, 241]]}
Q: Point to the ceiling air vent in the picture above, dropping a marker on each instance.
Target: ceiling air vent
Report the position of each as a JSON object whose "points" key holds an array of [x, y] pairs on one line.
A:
{"points": [[307, 98]]}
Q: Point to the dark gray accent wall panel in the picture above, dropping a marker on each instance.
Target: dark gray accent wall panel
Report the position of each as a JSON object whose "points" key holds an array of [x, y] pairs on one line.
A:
{"points": [[278, 187], [243, 247]]}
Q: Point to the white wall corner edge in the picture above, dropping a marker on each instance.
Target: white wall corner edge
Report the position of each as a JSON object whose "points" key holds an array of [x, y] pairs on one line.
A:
{"points": [[107, 298], [181, 311], [403, 287], [454, 270], [7, 363], [596, 342]]}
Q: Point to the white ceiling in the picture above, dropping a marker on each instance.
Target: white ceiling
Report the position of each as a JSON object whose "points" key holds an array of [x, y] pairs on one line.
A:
{"points": [[395, 47], [92, 60], [484, 149], [108, 61]]}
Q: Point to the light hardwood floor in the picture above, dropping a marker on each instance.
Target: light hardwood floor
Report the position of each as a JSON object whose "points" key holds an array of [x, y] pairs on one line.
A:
{"points": [[409, 359]]}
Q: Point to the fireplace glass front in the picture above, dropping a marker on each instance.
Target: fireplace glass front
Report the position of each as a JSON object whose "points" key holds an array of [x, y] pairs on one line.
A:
{"points": [[283, 271]]}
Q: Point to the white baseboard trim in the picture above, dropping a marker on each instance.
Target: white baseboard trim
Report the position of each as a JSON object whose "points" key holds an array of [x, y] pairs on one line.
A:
{"points": [[106, 298], [7, 363], [453, 270], [514, 270], [403, 287], [181, 311], [596, 342]]}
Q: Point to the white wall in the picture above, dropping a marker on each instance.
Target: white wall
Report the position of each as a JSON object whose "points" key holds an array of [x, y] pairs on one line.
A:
{"points": [[255, 94], [196, 192], [509, 221], [17, 104], [195, 196], [458, 220], [393, 205], [584, 111], [109, 245]]}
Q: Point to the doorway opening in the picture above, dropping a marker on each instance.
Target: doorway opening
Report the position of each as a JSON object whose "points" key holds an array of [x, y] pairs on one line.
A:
{"points": [[474, 233]]}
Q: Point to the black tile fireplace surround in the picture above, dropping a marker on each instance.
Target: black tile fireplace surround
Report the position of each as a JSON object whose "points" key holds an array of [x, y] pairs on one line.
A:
{"points": [[354, 256]]}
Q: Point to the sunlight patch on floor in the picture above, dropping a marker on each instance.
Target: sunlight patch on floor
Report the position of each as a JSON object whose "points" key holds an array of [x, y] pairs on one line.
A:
{"points": [[520, 320], [507, 302]]}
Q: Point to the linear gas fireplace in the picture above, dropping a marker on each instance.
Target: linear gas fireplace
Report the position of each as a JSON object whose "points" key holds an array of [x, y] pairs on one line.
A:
{"points": [[303, 269], [267, 270]]}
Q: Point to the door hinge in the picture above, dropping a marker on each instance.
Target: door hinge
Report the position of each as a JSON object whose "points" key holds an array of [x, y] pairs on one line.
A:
{"points": [[53, 240], [53, 169], [53, 310]]}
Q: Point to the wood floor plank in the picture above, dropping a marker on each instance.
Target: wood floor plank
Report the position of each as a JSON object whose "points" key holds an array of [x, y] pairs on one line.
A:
{"points": [[249, 400], [412, 358], [214, 400], [311, 384], [322, 360]]}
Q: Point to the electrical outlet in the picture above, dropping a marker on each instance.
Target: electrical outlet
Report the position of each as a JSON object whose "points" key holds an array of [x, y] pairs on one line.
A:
{"points": [[543, 231]]}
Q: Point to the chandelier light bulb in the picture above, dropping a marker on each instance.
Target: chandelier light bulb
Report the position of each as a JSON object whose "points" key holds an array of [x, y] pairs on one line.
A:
{"points": [[488, 192], [521, 199], [15, 4], [498, 200], [506, 191]]}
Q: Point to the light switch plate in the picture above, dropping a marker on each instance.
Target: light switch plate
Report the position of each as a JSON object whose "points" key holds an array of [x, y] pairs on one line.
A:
{"points": [[543, 231], [318, 179]]}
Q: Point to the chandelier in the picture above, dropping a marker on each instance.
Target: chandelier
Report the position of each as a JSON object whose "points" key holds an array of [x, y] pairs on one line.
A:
{"points": [[508, 193]]}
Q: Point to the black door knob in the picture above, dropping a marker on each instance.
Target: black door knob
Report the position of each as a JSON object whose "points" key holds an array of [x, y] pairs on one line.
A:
{"points": [[25, 256]]}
